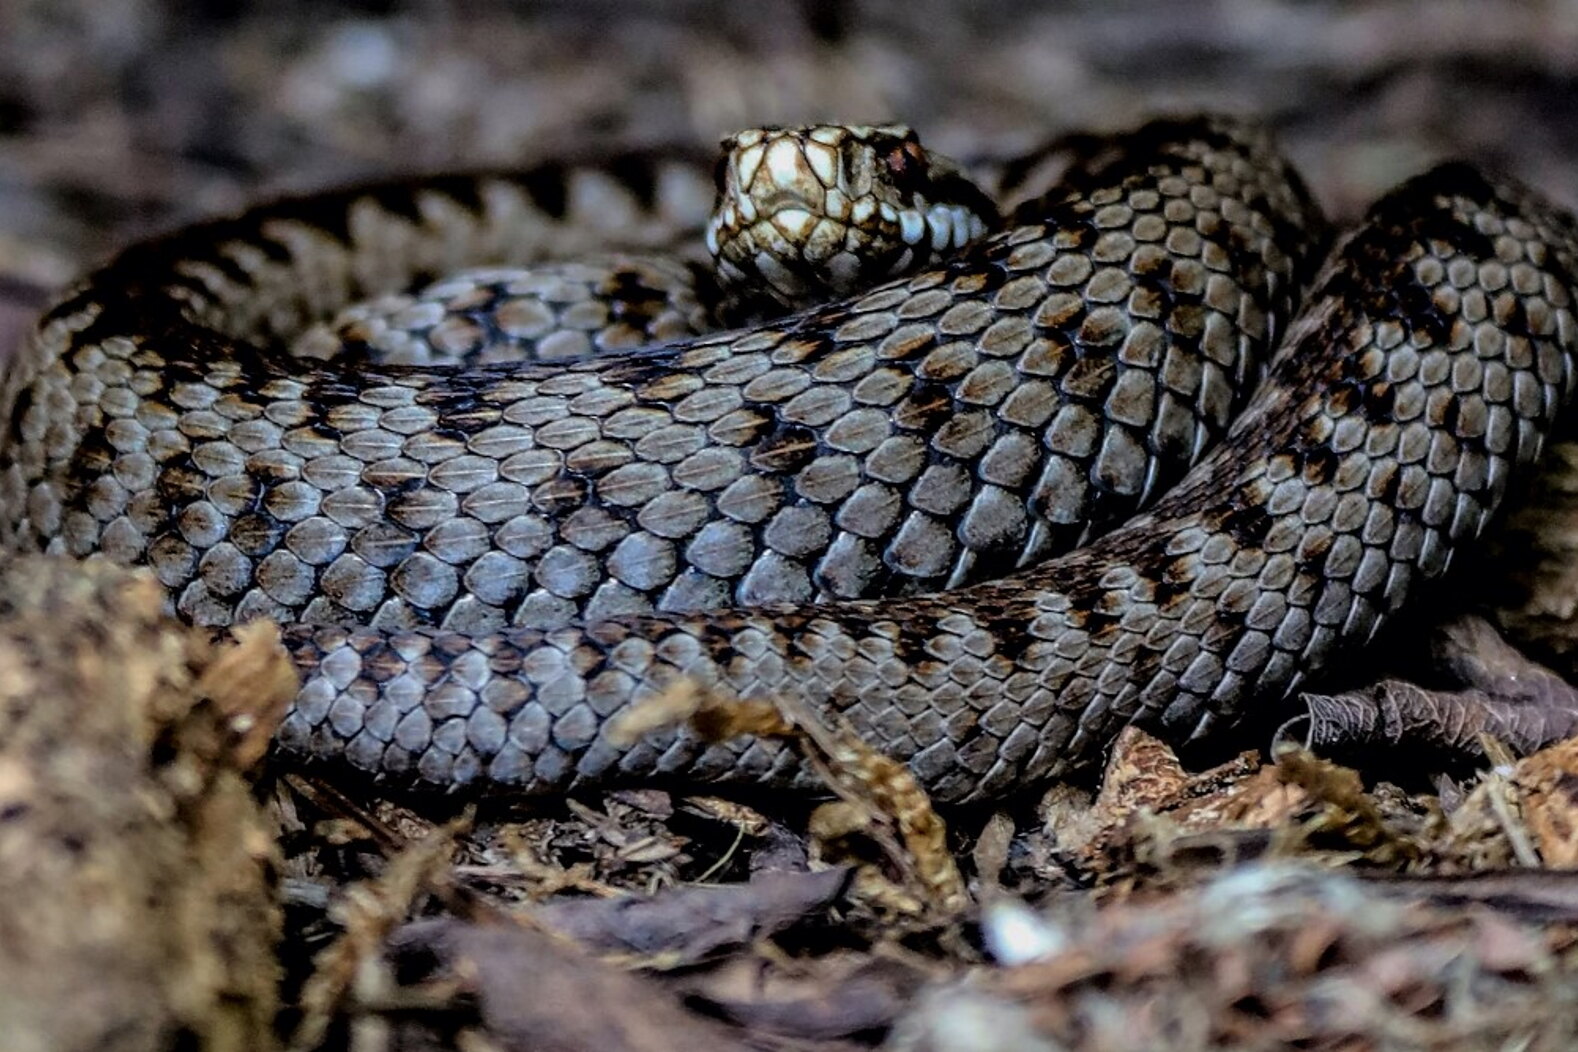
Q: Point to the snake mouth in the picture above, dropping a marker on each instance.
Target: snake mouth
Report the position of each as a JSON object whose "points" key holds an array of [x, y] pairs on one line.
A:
{"points": [[797, 245], [943, 226], [797, 216]]}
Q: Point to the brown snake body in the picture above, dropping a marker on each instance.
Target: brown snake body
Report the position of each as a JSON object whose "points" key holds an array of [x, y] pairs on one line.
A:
{"points": [[867, 507]]}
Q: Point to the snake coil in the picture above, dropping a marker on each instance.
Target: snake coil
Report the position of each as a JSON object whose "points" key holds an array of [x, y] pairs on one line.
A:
{"points": [[880, 507]]}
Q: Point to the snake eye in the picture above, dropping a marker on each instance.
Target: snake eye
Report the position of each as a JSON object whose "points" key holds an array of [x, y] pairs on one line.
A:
{"points": [[907, 166], [720, 172]]}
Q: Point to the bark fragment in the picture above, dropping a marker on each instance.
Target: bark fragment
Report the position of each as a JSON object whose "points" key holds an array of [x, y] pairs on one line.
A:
{"points": [[136, 910]]}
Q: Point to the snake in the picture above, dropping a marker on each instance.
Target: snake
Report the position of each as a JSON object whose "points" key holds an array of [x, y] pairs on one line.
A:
{"points": [[1152, 450]]}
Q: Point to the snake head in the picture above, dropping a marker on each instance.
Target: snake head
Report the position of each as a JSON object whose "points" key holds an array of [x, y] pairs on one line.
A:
{"points": [[812, 213]]}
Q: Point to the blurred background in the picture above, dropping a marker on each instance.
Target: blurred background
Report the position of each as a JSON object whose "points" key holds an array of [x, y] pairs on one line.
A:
{"points": [[122, 116]]}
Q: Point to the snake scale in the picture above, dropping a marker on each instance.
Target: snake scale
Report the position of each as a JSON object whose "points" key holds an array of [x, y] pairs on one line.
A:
{"points": [[881, 507]]}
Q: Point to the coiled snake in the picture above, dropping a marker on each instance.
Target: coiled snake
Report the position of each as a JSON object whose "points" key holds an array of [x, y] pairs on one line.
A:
{"points": [[860, 506]]}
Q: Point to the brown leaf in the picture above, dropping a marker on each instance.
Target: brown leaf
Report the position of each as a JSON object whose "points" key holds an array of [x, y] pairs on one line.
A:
{"points": [[822, 999], [1536, 896], [1348, 811], [1150, 810], [1143, 771], [537, 993], [990, 853], [685, 925], [1265, 957], [1548, 781], [1499, 693]]}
